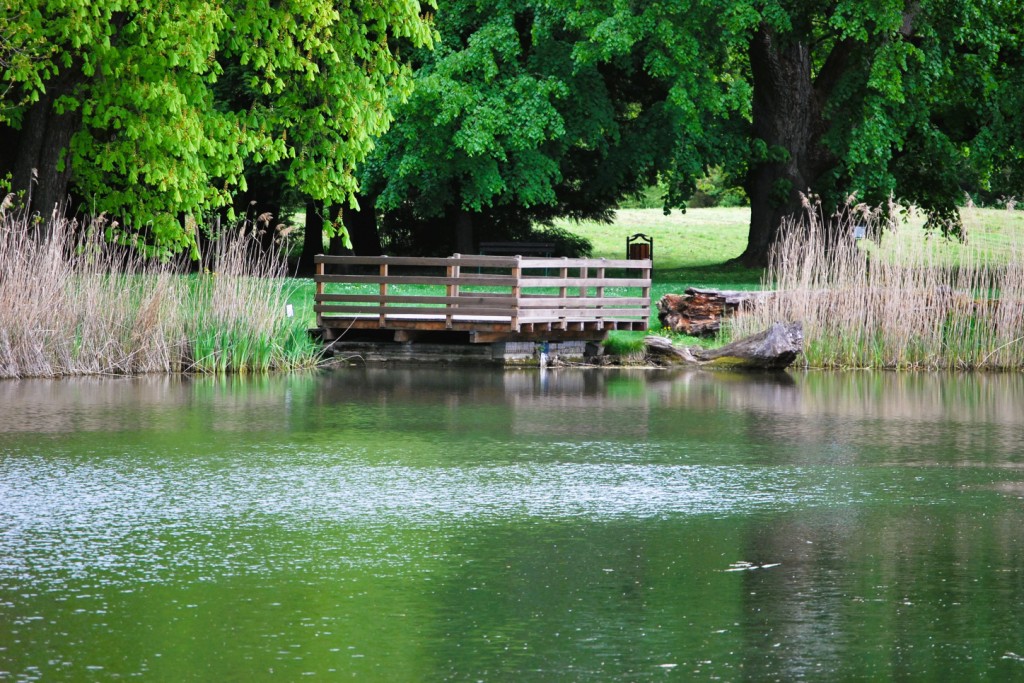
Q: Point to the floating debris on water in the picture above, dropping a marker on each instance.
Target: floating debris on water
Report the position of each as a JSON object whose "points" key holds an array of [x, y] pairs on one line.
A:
{"points": [[749, 566]]}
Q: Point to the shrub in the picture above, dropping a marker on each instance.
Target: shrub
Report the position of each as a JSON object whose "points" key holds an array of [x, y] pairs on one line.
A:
{"points": [[566, 243]]}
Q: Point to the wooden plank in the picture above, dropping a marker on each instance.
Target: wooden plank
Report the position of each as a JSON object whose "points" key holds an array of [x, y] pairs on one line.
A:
{"points": [[585, 313], [392, 261], [539, 336], [536, 263], [531, 315], [460, 300], [474, 261], [481, 280], [578, 302], [438, 325], [483, 261], [580, 282], [414, 310]]}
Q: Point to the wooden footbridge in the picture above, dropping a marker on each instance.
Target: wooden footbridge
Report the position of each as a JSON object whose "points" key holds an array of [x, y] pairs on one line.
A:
{"points": [[479, 299]]}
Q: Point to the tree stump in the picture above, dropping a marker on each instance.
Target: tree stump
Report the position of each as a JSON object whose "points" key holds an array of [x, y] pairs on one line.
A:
{"points": [[699, 312]]}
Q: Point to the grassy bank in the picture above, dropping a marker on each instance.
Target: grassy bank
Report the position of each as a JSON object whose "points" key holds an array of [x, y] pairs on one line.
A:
{"points": [[72, 304], [924, 302]]}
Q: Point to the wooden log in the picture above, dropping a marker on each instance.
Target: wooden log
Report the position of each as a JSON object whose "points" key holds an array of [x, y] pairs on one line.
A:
{"points": [[663, 348], [699, 312], [774, 349]]}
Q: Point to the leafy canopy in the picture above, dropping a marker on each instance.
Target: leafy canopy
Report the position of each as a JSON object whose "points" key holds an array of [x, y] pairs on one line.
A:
{"points": [[156, 136], [919, 99], [504, 119]]}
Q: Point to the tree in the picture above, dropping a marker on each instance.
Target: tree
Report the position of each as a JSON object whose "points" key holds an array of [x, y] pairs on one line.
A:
{"points": [[120, 100], [505, 127], [831, 97]]}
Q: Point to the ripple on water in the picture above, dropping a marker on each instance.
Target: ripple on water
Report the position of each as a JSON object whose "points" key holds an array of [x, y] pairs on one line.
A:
{"points": [[116, 516]]}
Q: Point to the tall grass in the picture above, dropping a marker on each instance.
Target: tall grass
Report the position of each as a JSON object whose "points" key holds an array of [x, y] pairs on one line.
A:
{"points": [[892, 302], [72, 303]]}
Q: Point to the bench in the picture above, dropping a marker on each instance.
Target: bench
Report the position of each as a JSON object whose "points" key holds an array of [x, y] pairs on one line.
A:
{"points": [[517, 248]]}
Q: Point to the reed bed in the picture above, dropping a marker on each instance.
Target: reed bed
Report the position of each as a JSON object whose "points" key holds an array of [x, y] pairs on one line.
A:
{"points": [[890, 302], [74, 303]]}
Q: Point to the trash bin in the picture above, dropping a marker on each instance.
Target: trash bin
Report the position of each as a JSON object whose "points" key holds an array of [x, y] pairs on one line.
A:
{"points": [[639, 247]]}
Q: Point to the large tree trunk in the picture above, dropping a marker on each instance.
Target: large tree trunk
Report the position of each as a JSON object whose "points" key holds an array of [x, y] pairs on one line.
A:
{"points": [[312, 237], [42, 162], [788, 119], [464, 242], [362, 227]]}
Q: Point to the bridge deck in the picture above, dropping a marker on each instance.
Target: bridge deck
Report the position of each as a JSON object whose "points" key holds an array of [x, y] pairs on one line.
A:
{"points": [[482, 298]]}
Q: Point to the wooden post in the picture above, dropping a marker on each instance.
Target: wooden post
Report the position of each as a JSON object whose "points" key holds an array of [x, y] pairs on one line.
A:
{"points": [[645, 293], [600, 294], [318, 299], [517, 290], [453, 272], [383, 320], [563, 294]]}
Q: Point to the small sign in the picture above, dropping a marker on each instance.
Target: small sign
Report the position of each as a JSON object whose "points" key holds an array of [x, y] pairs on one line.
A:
{"points": [[859, 231]]}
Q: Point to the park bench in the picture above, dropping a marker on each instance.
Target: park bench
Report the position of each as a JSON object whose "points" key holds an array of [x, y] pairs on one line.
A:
{"points": [[517, 248]]}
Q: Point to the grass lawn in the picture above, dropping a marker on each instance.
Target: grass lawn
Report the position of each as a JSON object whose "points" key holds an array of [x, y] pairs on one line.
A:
{"points": [[690, 249]]}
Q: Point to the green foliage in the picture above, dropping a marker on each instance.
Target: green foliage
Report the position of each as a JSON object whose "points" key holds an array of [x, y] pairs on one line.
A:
{"points": [[695, 52], [625, 344], [651, 197], [918, 100], [157, 136], [506, 123], [718, 189]]}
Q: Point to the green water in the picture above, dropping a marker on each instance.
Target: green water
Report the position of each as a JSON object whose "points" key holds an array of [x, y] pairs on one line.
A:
{"points": [[430, 525]]}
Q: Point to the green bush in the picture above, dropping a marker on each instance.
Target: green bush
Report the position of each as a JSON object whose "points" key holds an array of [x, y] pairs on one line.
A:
{"points": [[718, 189], [567, 243]]}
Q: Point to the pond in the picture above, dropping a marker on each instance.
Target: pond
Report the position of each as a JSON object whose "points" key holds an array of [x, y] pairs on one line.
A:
{"points": [[413, 524]]}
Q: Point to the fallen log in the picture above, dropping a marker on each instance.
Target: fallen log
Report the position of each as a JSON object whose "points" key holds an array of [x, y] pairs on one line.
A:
{"points": [[774, 349], [699, 312]]}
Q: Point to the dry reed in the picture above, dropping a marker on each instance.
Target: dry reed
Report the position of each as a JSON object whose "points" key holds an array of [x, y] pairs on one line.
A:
{"points": [[73, 303], [891, 302]]}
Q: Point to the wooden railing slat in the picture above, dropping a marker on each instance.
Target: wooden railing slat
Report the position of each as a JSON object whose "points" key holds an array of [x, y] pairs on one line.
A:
{"points": [[483, 261], [471, 280], [539, 282], [460, 300], [414, 310], [581, 313]]}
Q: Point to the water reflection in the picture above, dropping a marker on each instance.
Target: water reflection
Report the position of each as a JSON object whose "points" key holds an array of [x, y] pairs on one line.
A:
{"points": [[445, 524]]}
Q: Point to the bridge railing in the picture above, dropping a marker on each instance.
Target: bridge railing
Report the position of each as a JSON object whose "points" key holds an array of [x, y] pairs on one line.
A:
{"points": [[565, 293]]}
